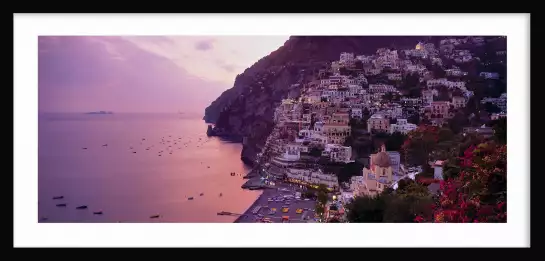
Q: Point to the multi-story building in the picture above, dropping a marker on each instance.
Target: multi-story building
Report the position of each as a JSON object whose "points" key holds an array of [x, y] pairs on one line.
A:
{"points": [[340, 118], [427, 97], [356, 113], [501, 101], [458, 102], [381, 88], [440, 109], [347, 58], [497, 116], [410, 102], [336, 133], [394, 76], [338, 153], [489, 75], [437, 82], [402, 126], [312, 178], [377, 122], [380, 174]]}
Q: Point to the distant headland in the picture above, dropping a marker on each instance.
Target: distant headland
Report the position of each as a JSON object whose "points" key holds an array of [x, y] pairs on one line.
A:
{"points": [[99, 112]]}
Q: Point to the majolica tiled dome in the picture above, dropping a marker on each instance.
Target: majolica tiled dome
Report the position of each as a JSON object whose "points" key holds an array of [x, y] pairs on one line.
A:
{"points": [[382, 159]]}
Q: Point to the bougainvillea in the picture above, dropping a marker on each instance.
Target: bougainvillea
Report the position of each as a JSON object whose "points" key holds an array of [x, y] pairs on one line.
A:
{"points": [[479, 192]]}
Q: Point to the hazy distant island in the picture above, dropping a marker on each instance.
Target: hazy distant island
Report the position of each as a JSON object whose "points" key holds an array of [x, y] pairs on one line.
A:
{"points": [[99, 112]]}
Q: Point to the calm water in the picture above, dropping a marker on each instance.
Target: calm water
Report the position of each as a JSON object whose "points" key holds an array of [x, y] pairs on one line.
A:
{"points": [[131, 187]]}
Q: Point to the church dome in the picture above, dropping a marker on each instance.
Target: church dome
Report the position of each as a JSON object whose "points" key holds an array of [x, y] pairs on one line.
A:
{"points": [[382, 159]]}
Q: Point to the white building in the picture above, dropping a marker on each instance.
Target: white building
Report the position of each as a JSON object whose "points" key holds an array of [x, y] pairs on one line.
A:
{"points": [[497, 116], [394, 76], [381, 88], [456, 84], [455, 72], [402, 126], [489, 75], [437, 82], [292, 152], [347, 58], [338, 153], [356, 113], [312, 177]]}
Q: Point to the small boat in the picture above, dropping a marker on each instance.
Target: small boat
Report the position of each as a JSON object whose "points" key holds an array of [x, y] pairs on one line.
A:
{"points": [[58, 197], [134, 152], [104, 145], [83, 148], [190, 198], [202, 194], [155, 216], [97, 212], [208, 166], [82, 207], [221, 194], [61, 205], [233, 174]]}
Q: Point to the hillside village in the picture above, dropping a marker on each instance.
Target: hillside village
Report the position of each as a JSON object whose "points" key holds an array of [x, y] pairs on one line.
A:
{"points": [[354, 126]]}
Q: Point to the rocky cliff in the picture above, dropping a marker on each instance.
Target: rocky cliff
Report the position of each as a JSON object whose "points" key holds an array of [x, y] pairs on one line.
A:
{"points": [[245, 112]]}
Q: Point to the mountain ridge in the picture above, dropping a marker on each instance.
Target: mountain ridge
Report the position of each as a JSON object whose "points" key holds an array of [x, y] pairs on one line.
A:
{"points": [[245, 111]]}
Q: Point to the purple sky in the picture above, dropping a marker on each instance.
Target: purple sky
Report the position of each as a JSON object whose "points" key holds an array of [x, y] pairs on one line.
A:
{"points": [[142, 73]]}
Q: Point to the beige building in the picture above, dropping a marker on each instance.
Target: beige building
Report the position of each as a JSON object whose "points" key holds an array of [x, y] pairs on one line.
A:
{"points": [[340, 118], [378, 122], [380, 174], [440, 109], [427, 97], [336, 133]]}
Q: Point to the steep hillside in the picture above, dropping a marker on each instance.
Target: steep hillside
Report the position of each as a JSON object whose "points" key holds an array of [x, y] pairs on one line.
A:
{"points": [[245, 111]]}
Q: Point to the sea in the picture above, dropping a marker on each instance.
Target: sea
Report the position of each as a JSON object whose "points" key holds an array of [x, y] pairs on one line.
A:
{"points": [[131, 167]]}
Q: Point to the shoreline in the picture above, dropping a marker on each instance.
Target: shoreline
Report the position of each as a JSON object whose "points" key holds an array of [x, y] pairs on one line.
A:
{"points": [[265, 193]]}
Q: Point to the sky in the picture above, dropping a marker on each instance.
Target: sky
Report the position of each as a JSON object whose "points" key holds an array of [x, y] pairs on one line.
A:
{"points": [[142, 73]]}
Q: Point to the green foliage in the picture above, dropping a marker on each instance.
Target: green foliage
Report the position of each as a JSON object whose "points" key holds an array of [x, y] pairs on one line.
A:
{"points": [[400, 206], [491, 108], [315, 152], [349, 170], [500, 130], [366, 209], [395, 141]]}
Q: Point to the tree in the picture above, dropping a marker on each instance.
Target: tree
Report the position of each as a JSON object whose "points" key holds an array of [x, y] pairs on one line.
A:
{"points": [[414, 118], [322, 197], [366, 209], [458, 122], [491, 108], [420, 143], [349, 170], [315, 152], [309, 194], [319, 208], [389, 96], [479, 192], [443, 94], [500, 130], [395, 141]]}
